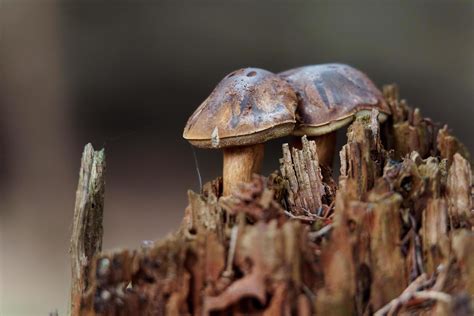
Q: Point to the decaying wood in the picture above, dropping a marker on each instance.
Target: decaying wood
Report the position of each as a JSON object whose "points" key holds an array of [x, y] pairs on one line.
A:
{"points": [[302, 175], [392, 236], [362, 157], [459, 193], [448, 146], [410, 131], [435, 233], [86, 240]]}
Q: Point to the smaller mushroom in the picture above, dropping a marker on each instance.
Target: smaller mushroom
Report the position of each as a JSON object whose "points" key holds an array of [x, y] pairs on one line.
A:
{"points": [[247, 108], [330, 96]]}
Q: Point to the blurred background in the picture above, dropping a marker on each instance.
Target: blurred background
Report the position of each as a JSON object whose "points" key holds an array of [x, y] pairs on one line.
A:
{"points": [[125, 75]]}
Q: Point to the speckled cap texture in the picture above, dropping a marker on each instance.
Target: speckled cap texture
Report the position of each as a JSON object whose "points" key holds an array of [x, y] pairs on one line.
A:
{"points": [[330, 95], [249, 106]]}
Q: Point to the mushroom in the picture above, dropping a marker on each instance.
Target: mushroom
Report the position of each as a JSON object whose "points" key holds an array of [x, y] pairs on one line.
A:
{"points": [[330, 96], [247, 108]]}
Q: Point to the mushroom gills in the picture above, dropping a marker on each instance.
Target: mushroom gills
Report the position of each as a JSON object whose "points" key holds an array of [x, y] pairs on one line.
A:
{"points": [[317, 130]]}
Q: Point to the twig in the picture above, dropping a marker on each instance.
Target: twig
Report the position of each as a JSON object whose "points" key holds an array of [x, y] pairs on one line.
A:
{"points": [[323, 231], [442, 275], [417, 248], [228, 273], [302, 217], [307, 291], [433, 295], [413, 292], [404, 297]]}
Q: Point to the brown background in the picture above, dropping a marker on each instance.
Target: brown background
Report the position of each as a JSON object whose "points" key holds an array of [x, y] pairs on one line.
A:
{"points": [[127, 74]]}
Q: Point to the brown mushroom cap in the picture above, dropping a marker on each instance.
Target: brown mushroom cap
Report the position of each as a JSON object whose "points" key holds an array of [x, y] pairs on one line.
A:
{"points": [[330, 95], [249, 106]]}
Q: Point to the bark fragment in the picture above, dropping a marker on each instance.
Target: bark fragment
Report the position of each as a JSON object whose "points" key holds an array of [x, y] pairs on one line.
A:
{"points": [[458, 193], [257, 199], [435, 234], [410, 131], [363, 157], [463, 248], [387, 263], [86, 240], [302, 174], [448, 146]]}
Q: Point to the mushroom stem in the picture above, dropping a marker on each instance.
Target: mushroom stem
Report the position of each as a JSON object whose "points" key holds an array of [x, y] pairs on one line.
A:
{"points": [[326, 148], [239, 165]]}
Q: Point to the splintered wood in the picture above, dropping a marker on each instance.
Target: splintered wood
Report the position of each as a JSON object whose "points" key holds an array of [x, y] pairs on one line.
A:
{"points": [[392, 236], [86, 240], [304, 183], [362, 157]]}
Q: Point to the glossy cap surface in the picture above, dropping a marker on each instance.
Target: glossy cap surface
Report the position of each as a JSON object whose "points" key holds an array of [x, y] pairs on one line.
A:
{"points": [[249, 106], [330, 95]]}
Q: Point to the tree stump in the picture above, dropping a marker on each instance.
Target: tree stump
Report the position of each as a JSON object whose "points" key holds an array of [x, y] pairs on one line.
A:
{"points": [[392, 236]]}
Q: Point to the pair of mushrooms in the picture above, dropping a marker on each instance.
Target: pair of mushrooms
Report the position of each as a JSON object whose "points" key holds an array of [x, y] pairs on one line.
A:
{"points": [[250, 106]]}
